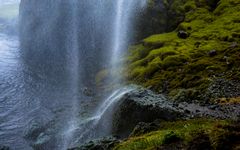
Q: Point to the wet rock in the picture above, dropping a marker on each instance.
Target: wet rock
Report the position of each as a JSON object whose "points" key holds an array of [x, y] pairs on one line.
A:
{"points": [[33, 130], [38, 135], [88, 92], [223, 88], [3, 147], [107, 143], [143, 105], [213, 107], [41, 140], [212, 53], [183, 34]]}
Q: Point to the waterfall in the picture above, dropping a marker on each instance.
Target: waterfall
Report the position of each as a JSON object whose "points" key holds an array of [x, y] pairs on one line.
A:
{"points": [[64, 44], [125, 14]]}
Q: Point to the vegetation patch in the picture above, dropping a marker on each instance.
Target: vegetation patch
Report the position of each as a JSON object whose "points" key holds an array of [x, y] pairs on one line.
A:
{"points": [[166, 63], [197, 133]]}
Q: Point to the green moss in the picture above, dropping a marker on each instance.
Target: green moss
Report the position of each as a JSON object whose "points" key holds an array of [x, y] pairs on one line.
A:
{"points": [[159, 40], [174, 61], [225, 5], [184, 131], [164, 61], [138, 52], [199, 14], [189, 5]]}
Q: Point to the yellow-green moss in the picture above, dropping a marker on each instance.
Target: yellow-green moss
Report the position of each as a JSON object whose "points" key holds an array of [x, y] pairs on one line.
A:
{"points": [[225, 101], [187, 63], [185, 131]]}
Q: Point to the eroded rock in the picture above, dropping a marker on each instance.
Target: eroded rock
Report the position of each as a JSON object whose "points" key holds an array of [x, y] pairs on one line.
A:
{"points": [[143, 105]]}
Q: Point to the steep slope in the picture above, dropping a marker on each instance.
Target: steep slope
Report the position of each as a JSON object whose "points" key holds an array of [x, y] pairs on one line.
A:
{"points": [[201, 53]]}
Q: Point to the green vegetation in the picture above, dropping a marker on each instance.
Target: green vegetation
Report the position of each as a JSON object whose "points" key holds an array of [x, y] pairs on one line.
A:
{"points": [[212, 134], [167, 63], [186, 68]]}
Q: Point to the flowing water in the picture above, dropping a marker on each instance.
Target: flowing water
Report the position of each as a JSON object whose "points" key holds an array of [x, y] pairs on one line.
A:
{"points": [[48, 95]]}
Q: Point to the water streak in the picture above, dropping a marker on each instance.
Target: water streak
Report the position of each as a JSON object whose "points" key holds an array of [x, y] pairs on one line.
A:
{"points": [[48, 90]]}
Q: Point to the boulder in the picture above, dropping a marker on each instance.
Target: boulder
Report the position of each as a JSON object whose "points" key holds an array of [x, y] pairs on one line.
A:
{"points": [[143, 105], [183, 34]]}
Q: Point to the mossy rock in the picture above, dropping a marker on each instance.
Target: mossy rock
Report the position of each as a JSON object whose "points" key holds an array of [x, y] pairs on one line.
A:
{"points": [[167, 63], [195, 134]]}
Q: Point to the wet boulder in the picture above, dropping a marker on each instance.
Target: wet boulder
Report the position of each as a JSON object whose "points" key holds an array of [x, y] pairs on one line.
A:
{"points": [[143, 105]]}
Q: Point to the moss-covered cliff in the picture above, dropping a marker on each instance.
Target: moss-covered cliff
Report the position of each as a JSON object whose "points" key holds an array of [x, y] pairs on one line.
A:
{"points": [[190, 51], [198, 134], [202, 52]]}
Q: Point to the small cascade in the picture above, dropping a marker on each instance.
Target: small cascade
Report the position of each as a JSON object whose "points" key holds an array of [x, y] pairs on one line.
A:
{"points": [[94, 126]]}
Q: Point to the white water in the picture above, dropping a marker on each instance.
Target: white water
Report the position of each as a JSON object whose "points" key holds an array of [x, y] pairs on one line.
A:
{"points": [[125, 12], [91, 127], [63, 44]]}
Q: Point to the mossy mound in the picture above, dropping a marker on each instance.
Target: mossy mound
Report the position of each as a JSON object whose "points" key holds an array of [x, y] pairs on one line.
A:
{"points": [[167, 63], [192, 134]]}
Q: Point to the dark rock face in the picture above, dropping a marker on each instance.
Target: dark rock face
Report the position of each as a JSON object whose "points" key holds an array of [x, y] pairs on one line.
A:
{"points": [[142, 105], [159, 16], [183, 34], [212, 4], [101, 144]]}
